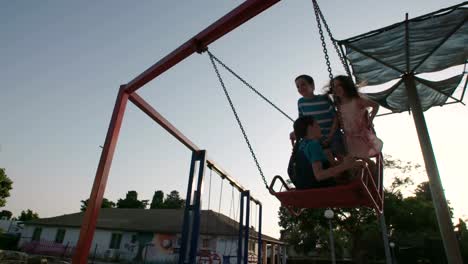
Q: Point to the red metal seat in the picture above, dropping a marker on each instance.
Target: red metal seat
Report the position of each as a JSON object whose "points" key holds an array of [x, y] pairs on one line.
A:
{"points": [[364, 191]]}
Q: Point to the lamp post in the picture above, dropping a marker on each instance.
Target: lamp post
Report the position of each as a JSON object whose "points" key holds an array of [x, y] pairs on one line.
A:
{"points": [[392, 249], [329, 215]]}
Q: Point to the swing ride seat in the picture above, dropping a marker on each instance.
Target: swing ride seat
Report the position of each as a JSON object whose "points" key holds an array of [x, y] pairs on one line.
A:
{"points": [[363, 191], [366, 190]]}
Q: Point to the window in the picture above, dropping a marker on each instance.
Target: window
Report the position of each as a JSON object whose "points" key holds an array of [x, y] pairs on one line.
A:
{"points": [[205, 243], [115, 241], [60, 236], [36, 234], [252, 246]]}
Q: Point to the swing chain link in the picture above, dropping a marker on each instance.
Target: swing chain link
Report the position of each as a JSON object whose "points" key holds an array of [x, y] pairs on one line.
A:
{"points": [[332, 39], [212, 59], [330, 73], [249, 85], [324, 45]]}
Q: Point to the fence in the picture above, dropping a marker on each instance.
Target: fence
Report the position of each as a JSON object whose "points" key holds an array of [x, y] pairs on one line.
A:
{"points": [[48, 248]]}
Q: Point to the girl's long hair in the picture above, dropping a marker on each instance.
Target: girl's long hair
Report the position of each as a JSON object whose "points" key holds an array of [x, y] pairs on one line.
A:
{"points": [[349, 88]]}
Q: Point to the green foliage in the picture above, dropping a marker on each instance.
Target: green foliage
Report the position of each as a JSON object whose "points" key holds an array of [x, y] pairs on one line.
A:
{"points": [[172, 200], [105, 204], [158, 200], [28, 215], [6, 213], [462, 234], [5, 187], [131, 201]]}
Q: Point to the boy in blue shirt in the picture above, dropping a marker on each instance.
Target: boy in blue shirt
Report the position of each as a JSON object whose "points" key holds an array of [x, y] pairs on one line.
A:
{"points": [[322, 110], [310, 166]]}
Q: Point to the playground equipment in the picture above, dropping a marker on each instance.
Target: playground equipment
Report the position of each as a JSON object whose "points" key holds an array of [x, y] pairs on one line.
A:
{"points": [[199, 43]]}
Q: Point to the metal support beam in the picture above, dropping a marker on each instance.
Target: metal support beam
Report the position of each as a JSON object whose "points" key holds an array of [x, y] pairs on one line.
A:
{"points": [[244, 229], [383, 229], [163, 122], [100, 180], [447, 231], [260, 253], [241, 228], [224, 25], [246, 194], [169, 127], [191, 224]]}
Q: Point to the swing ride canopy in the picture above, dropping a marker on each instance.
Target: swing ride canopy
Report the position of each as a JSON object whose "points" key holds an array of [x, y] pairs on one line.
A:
{"points": [[424, 44]]}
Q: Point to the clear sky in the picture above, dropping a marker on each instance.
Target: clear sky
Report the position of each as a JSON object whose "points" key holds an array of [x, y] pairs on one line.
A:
{"points": [[63, 61]]}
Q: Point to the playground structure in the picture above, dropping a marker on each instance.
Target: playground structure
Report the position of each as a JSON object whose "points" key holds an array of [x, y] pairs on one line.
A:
{"points": [[199, 44]]}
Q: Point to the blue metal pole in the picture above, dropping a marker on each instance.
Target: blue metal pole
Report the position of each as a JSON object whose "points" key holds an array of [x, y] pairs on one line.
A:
{"points": [[260, 244], [241, 219], [186, 227], [197, 208], [247, 227]]}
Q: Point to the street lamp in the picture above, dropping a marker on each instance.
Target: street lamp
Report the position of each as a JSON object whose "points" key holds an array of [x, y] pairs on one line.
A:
{"points": [[392, 250], [329, 215]]}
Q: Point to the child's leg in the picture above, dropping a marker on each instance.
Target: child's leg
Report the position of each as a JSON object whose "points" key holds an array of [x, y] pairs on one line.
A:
{"points": [[337, 146]]}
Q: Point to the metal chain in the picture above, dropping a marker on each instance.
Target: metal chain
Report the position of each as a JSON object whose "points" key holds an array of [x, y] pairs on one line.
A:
{"points": [[249, 86], [212, 59], [330, 74], [332, 39], [324, 44]]}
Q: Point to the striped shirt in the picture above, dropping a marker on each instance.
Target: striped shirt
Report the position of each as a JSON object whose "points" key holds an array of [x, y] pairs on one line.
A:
{"points": [[320, 108]]}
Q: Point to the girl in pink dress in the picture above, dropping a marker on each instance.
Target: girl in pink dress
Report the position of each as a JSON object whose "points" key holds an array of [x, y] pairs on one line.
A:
{"points": [[357, 119]]}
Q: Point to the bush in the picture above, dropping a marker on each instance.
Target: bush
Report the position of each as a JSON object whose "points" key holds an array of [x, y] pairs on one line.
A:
{"points": [[9, 241]]}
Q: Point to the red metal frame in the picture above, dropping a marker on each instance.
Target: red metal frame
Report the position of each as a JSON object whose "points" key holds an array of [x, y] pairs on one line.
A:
{"points": [[198, 43], [224, 25], [100, 181]]}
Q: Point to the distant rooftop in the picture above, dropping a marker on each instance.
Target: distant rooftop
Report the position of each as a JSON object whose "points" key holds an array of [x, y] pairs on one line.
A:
{"points": [[151, 220]]}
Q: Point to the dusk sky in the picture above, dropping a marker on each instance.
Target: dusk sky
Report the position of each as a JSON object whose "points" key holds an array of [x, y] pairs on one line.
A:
{"points": [[62, 63]]}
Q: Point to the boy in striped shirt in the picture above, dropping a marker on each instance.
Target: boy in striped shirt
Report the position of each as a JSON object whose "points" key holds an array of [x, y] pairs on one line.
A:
{"points": [[321, 109]]}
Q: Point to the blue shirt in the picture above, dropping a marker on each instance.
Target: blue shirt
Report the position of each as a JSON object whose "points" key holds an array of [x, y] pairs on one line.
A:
{"points": [[320, 108], [312, 150], [309, 152]]}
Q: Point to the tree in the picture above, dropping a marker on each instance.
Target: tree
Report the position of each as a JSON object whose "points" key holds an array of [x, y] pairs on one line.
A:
{"points": [[462, 234], [28, 215], [158, 200], [131, 201], [173, 201], [105, 204], [5, 187], [6, 213]]}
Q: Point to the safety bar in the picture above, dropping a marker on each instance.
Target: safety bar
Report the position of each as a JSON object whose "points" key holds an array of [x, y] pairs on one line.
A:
{"points": [[272, 184]]}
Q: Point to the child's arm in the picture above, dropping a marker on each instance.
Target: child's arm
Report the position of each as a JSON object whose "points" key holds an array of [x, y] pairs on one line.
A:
{"points": [[330, 157], [369, 103], [323, 174]]}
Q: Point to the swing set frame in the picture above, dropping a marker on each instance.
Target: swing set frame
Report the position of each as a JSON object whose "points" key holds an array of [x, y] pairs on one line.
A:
{"points": [[127, 92]]}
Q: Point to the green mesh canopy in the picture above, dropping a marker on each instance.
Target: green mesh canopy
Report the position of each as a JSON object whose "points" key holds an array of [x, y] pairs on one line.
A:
{"points": [[428, 43], [431, 93]]}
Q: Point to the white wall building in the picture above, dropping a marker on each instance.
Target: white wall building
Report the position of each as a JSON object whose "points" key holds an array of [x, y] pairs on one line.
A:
{"points": [[137, 234]]}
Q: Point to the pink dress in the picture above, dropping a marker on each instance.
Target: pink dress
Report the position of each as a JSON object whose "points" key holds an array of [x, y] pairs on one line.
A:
{"points": [[360, 137]]}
